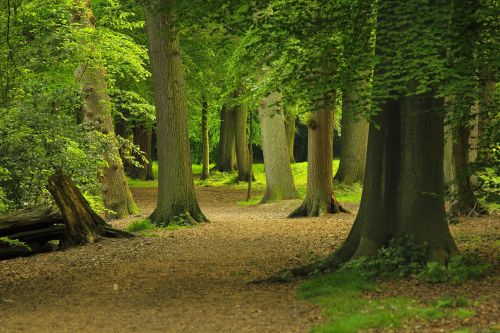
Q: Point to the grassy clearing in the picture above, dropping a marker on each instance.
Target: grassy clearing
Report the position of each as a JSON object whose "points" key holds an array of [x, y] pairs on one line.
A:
{"points": [[352, 303], [220, 179]]}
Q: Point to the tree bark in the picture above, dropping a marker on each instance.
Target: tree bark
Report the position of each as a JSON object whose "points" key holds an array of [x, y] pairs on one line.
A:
{"points": [[290, 134], [403, 193], [226, 149], [82, 224], [319, 198], [354, 137], [143, 137], [176, 194], [279, 178], [97, 111], [239, 116], [205, 155], [75, 223]]}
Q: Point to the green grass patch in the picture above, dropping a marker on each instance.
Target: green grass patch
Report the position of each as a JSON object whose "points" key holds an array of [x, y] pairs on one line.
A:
{"points": [[141, 225], [343, 192], [351, 303], [145, 227]]}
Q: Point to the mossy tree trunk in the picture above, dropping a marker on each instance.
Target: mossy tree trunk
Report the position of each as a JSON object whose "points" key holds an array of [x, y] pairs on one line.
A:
{"points": [[226, 149], [205, 154], [354, 137], [97, 112], [279, 178], [176, 194], [290, 130], [319, 198]]}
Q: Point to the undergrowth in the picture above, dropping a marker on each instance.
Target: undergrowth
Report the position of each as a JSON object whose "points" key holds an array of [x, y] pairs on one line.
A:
{"points": [[350, 294], [144, 227], [404, 258]]}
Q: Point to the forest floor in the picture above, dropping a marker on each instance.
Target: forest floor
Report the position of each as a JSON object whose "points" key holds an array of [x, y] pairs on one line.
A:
{"points": [[199, 279]]}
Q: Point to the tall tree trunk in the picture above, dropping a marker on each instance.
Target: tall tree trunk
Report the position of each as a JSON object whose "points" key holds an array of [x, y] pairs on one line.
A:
{"points": [[465, 201], [226, 148], [353, 140], [239, 115], [143, 138], [97, 111], [250, 152], [290, 134], [403, 190], [279, 178], [487, 110], [205, 155], [176, 194], [319, 198], [403, 193]]}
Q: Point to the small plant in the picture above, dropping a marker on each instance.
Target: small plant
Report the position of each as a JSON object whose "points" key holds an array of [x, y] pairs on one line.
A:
{"points": [[401, 258], [458, 270]]}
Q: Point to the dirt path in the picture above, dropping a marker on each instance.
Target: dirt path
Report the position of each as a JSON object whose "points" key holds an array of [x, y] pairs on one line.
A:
{"points": [[188, 280]]}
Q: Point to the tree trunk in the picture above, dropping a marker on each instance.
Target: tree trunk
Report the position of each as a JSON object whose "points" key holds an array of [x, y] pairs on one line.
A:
{"points": [[97, 111], [82, 224], [239, 115], [354, 139], [176, 194], [226, 148], [487, 134], [205, 155], [319, 199], [75, 223], [403, 193], [279, 178], [290, 134], [465, 202], [250, 152], [143, 137]]}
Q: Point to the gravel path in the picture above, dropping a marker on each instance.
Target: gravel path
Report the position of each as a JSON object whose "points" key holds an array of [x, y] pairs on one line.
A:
{"points": [[187, 280]]}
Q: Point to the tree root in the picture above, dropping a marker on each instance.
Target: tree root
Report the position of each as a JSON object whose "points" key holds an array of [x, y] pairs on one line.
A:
{"points": [[316, 209]]}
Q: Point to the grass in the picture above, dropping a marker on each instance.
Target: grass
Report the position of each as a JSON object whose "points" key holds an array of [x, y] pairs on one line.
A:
{"points": [[351, 303], [144, 227], [220, 179]]}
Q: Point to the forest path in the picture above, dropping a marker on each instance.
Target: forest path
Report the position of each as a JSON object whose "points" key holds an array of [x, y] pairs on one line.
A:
{"points": [[188, 280]]}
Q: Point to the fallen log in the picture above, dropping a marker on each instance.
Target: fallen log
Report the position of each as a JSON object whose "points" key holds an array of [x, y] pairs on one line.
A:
{"points": [[27, 219], [74, 223]]}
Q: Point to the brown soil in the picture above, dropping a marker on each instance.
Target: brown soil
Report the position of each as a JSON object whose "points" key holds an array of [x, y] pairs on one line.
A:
{"points": [[199, 279]]}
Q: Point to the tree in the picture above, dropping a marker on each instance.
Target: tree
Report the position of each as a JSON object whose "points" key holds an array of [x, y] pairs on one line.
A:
{"points": [[290, 131], [205, 155], [176, 195], [403, 192], [354, 139], [319, 198], [97, 112], [239, 115], [142, 138], [226, 153], [279, 178]]}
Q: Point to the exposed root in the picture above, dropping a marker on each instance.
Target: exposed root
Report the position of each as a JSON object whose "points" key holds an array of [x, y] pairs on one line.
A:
{"points": [[180, 219], [306, 209]]}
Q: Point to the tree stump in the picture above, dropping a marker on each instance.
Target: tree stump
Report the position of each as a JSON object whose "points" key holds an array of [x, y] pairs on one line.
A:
{"points": [[83, 225]]}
